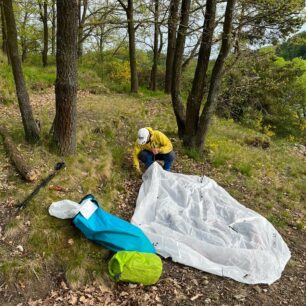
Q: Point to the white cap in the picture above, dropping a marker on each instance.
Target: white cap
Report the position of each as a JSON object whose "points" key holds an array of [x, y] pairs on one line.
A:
{"points": [[143, 135]]}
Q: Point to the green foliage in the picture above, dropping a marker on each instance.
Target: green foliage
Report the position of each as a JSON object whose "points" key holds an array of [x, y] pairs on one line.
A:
{"points": [[268, 20], [38, 77], [113, 67], [266, 93], [293, 47]]}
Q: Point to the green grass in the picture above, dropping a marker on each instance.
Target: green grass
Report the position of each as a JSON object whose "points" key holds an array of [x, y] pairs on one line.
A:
{"points": [[193, 153], [277, 221], [270, 178]]}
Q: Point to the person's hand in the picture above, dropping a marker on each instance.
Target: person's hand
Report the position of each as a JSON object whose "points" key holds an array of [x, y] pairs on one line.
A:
{"points": [[155, 151]]}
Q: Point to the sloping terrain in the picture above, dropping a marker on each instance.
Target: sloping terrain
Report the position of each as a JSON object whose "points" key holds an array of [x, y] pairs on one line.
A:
{"points": [[45, 261]]}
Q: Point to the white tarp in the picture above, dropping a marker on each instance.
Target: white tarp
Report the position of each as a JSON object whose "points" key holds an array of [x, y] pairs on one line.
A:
{"points": [[197, 223]]}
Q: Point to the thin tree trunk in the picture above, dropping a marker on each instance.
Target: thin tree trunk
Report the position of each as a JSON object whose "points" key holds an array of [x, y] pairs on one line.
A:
{"points": [[172, 25], [23, 40], [216, 75], [44, 18], [197, 91], [53, 28], [64, 135], [132, 46], [129, 9], [81, 17], [3, 30], [155, 48], [193, 54], [30, 127], [24, 51], [178, 107], [80, 43], [80, 29], [101, 39]]}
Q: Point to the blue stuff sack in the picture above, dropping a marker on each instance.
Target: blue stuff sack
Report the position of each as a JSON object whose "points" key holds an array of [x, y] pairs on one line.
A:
{"points": [[108, 230]]}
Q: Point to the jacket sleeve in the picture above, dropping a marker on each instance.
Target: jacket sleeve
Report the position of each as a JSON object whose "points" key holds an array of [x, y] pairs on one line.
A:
{"points": [[165, 143], [136, 151]]}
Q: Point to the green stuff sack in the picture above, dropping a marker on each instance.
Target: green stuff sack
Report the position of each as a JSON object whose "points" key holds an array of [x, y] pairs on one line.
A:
{"points": [[135, 267]]}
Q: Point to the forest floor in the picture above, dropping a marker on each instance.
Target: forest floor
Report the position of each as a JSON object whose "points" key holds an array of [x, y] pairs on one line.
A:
{"points": [[45, 261]]}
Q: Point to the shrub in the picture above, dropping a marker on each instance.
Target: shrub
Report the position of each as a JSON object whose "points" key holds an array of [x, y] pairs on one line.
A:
{"points": [[266, 93]]}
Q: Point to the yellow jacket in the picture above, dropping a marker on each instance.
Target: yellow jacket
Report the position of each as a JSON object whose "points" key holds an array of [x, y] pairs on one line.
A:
{"points": [[157, 140]]}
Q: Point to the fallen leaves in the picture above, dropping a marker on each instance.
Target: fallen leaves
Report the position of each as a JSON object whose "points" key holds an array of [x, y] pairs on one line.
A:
{"points": [[73, 300], [57, 188]]}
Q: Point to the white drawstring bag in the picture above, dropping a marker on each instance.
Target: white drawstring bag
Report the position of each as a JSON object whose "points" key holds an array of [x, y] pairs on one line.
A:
{"points": [[65, 209]]}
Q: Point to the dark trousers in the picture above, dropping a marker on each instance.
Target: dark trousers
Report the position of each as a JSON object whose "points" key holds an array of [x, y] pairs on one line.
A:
{"points": [[147, 157]]}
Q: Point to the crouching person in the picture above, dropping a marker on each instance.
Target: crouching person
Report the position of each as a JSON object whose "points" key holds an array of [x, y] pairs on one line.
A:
{"points": [[152, 145]]}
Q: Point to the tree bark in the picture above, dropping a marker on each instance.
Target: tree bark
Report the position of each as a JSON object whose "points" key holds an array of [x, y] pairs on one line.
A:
{"points": [[23, 39], [178, 107], [172, 25], [101, 39], [21, 166], [132, 46], [44, 18], [155, 47], [216, 76], [53, 29], [3, 30], [196, 94], [81, 17], [30, 127], [64, 135], [193, 54]]}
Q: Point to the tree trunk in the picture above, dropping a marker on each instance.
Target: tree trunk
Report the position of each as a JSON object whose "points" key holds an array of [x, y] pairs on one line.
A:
{"points": [[178, 107], [80, 43], [23, 40], [3, 30], [80, 29], [132, 46], [193, 54], [24, 52], [216, 76], [81, 17], [172, 24], [46, 34], [101, 39], [155, 48], [21, 166], [196, 94], [64, 135], [53, 29], [29, 124]]}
